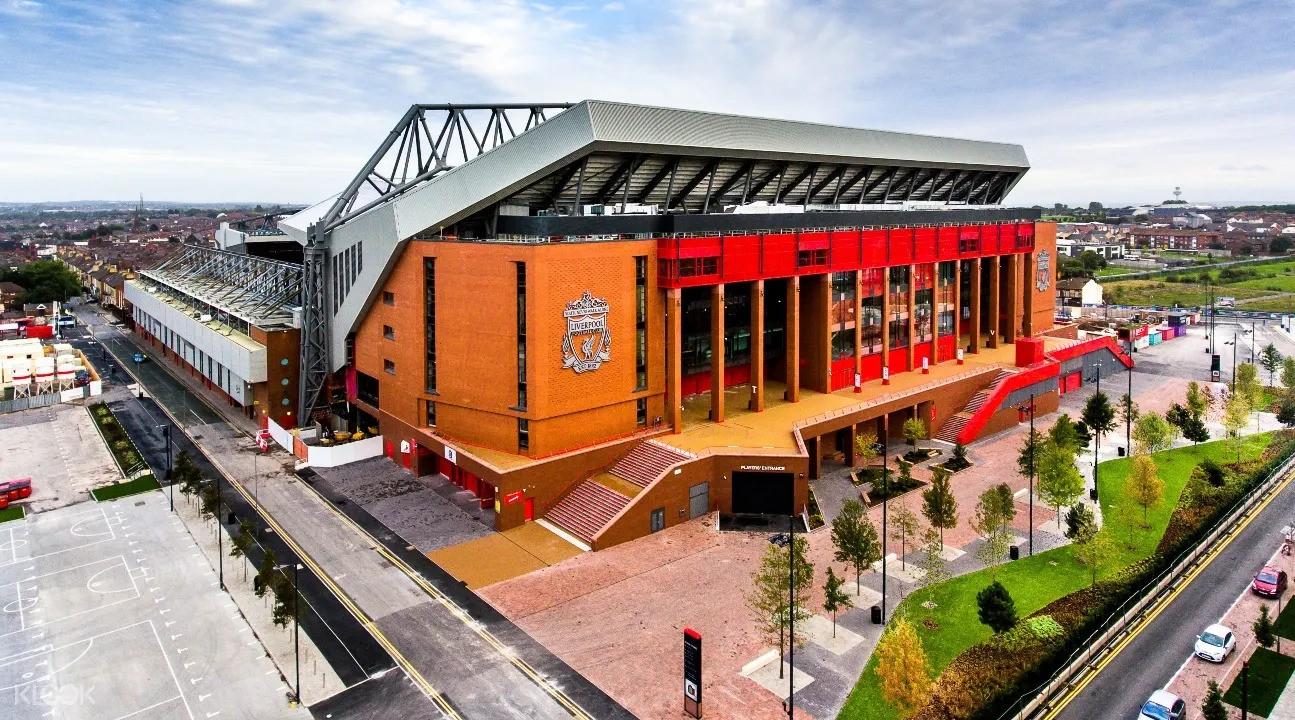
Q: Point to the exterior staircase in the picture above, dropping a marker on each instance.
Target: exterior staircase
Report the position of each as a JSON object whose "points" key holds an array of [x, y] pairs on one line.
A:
{"points": [[949, 432], [593, 503]]}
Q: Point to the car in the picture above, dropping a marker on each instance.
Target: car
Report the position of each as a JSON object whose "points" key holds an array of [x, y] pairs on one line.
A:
{"points": [[1215, 643], [1164, 705], [139, 357], [1269, 582]]}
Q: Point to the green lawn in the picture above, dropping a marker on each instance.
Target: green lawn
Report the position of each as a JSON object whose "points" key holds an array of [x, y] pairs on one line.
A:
{"points": [[1167, 294], [143, 483], [1036, 581], [1269, 672], [1285, 303], [1285, 623], [13, 512]]}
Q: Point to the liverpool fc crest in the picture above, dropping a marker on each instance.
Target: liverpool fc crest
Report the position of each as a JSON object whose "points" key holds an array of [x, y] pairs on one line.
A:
{"points": [[1043, 276], [588, 342]]}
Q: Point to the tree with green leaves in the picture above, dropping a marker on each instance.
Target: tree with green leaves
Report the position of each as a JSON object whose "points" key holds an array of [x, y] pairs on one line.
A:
{"points": [[1263, 627], [1212, 708], [1090, 550], [265, 572], [1144, 486], [902, 668], [772, 584], [1286, 412], [1236, 413], [243, 541], [1153, 433], [935, 569], [1080, 522], [1098, 415], [1270, 359], [1062, 433], [834, 599], [903, 526], [855, 539], [1195, 400], [1060, 482], [1288, 374], [938, 502], [996, 608], [186, 473], [43, 281], [210, 501], [285, 600], [1129, 411], [960, 455], [914, 430], [1027, 458], [865, 448], [994, 512], [1247, 386]]}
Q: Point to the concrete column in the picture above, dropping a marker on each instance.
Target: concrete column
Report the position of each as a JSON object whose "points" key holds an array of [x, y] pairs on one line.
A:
{"points": [[757, 346], [975, 305], [995, 301], [674, 359], [885, 318], [792, 335], [912, 321], [1013, 298], [717, 353]]}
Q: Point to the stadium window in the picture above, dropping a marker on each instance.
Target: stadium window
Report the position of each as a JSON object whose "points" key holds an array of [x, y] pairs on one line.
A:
{"points": [[640, 322], [429, 324], [388, 332], [640, 409], [692, 267], [366, 389], [388, 298], [389, 366], [809, 258], [430, 413], [521, 335], [523, 434]]}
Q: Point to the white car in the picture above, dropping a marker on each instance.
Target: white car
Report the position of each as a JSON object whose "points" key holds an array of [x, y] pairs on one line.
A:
{"points": [[1164, 705], [1215, 643]]}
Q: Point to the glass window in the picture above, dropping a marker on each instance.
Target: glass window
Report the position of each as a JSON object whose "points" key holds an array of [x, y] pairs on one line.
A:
{"points": [[841, 314], [429, 324], [898, 298]]}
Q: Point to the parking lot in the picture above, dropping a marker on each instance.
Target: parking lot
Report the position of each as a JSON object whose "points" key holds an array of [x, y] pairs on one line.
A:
{"points": [[59, 448], [109, 611]]}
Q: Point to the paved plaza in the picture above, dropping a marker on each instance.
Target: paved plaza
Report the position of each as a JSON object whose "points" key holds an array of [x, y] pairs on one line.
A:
{"points": [[60, 449], [110, 611]]}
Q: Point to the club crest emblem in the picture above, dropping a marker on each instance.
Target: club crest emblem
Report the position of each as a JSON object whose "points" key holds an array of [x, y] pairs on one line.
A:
{"points": [[588, 342], [1043, 276]]}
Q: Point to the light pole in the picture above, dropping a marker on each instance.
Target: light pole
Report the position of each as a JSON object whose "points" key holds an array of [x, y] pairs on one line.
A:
{"points": [[166, 432], [220, 541], [1233, 343], [1096, 438], [296, 624], [1128, 414], [1033, 443], [885, 501]]}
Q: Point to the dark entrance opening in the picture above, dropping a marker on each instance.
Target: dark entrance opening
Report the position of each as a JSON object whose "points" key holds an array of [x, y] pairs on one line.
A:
{"points": [[760, 493]]}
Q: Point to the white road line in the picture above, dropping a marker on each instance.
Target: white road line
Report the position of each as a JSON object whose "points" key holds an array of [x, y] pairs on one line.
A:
{"points": [[174, 679], [154, 705]]}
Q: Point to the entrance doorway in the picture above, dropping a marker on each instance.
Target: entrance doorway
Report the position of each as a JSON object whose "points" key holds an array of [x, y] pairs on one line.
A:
{"points": [[764, 493], [698, 500]]}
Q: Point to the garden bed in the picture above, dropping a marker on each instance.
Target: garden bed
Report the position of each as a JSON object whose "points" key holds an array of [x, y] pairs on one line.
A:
{"points": [[921, 455], [128, 458], [143, 483], [894, 489], [815, 514], [13, 512], [1269, 673]]}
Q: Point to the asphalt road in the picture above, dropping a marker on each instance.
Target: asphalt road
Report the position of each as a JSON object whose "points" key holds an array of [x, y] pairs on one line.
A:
{"points": [[1149, 662]]}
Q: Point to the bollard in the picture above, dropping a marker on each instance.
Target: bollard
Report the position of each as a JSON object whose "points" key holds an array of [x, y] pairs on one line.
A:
{"points": [[876, 614]]}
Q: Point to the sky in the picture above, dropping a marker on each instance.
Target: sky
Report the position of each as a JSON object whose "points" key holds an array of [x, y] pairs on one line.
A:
{"points": [[284, 100]]}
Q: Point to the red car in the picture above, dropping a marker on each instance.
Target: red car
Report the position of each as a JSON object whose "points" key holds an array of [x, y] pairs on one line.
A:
{"points": [[1269, 582]]}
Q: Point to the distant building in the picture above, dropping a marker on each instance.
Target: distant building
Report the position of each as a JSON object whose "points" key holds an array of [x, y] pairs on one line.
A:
{"points": [[1165, 238], [1079, 292], [1071, 247]]}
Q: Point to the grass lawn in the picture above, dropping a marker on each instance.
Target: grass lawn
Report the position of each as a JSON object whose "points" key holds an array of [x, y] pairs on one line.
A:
{"points": [[1159, 292], [1284, 625], [1269, 672], [13, 512], [143, 483], [1036, 581], [1285, 304]]}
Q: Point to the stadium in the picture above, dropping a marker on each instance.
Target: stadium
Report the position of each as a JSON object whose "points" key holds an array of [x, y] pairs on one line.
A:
{"points": [[611, 318]]}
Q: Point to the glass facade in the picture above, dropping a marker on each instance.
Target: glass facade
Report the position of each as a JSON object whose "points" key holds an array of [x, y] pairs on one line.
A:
{"points": [[898, 298], [924, 292], [945, 298], [841, 314], [640, 323], [872, 289], [429, 324]]}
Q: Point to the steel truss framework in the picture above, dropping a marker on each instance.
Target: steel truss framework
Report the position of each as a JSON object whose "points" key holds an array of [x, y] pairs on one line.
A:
{"points": [[682, 183], [413, 153], [255, 290]]}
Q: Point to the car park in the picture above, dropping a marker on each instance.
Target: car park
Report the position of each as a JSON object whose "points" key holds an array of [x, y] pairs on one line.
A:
{"points": [[1163, 705], [1215, 643], [1269, 582]]}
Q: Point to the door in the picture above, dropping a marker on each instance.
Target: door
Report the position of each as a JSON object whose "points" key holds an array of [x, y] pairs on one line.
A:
{"points": [[763, 493], [658, 520], [529, 509], [698, 500]]}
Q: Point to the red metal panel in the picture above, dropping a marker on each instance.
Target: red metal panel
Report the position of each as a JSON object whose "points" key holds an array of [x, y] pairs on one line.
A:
{"points": [[1006, 238], [699, 247], [947, 244], [845, 249], [948, 347], [779, 255], [842, 373], [741, 258], [815, 240], [695, 384], [870, 367], [969, 241], [874, 248], [898, 361], [901, 246], [921, 350], [988, 240], [924, 245]]}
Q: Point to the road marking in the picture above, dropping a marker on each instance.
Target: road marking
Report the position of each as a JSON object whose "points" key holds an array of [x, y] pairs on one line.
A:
{"points": [[1166, 600]]}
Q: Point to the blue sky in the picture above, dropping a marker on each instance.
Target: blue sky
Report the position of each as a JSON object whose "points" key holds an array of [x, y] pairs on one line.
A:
{"points": [[282, 100]]}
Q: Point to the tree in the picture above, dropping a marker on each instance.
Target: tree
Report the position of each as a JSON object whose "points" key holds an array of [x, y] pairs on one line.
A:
{"points": [[1062, 433], [44, 281], [1263, 627], [1213, 708], [902, 668], [210, 500], [855, 539], [1128, 410], [994, 511], [996, 608], [1027, 458], [1236, 413], [243, 541], [265, 573], [903, 525], [1082, 435], [285, 600], [938, 503], [1270, 359], [1091, 549], [1288, 374], [1279, 245], [768, 598], [1098, 415], [1060, 482], [1248, 387], [1196, 402], [834, 599], [186, 473], [1095, 208], [865, 447], [935, 569], [1153, 433], [914, 430], [1286, 412], [1144, 485], [1194, 429], [960, 455], [1080, 522]]}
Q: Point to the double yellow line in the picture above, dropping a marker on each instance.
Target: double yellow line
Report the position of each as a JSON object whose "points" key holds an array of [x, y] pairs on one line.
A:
{"points": [[1166, 600]]}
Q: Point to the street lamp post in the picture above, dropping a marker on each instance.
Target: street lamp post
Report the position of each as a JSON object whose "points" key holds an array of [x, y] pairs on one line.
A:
{"points": [[791, 614], [1033, 443], [1096, 438], [220, 541], [296, 625], [885, 501], [1128, 417], [166, 432]]}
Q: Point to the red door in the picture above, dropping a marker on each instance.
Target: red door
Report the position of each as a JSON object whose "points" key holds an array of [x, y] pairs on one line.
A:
{"points": [[529, 511]]}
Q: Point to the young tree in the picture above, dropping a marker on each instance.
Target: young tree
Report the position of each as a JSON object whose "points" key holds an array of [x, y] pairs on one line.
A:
{"points": [[902, 668], [1271, 360], [1236, 412], [285, 600], [1060, 482], [935, 569], [938, 503], [1144, 485], [265, 574], [210, 500], [1213, 708], [1286, 412], [903, 525], [1080, 522], [1027, 458], [1128, 410], [996, 608], [834, 599], [1062, 433], [1247, 385], [865, 448], [1263, 627], [1082, 435], [1153, 433], [1098, 415], [1211, 400], [1288, 374], [1090, 549], [243, 541], [960, 455], [186, 473], [994, 512], [1196, 403], [914, 430], [768, 598], [855, 539]]}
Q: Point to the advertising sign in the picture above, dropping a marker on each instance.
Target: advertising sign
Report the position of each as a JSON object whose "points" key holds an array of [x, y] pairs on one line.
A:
{"points": [[513, 497], [692, 672]]}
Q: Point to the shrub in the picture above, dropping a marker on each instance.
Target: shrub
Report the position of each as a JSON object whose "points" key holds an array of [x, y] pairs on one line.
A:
{"points": [[1213, 473], [997, 609]]}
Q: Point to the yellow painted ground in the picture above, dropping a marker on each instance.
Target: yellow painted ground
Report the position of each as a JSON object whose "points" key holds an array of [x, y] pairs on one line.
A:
{"points": [[503, 555]]}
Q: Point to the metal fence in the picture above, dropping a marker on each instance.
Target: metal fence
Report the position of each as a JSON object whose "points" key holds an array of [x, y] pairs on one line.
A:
{"points": [[27, 403]]}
